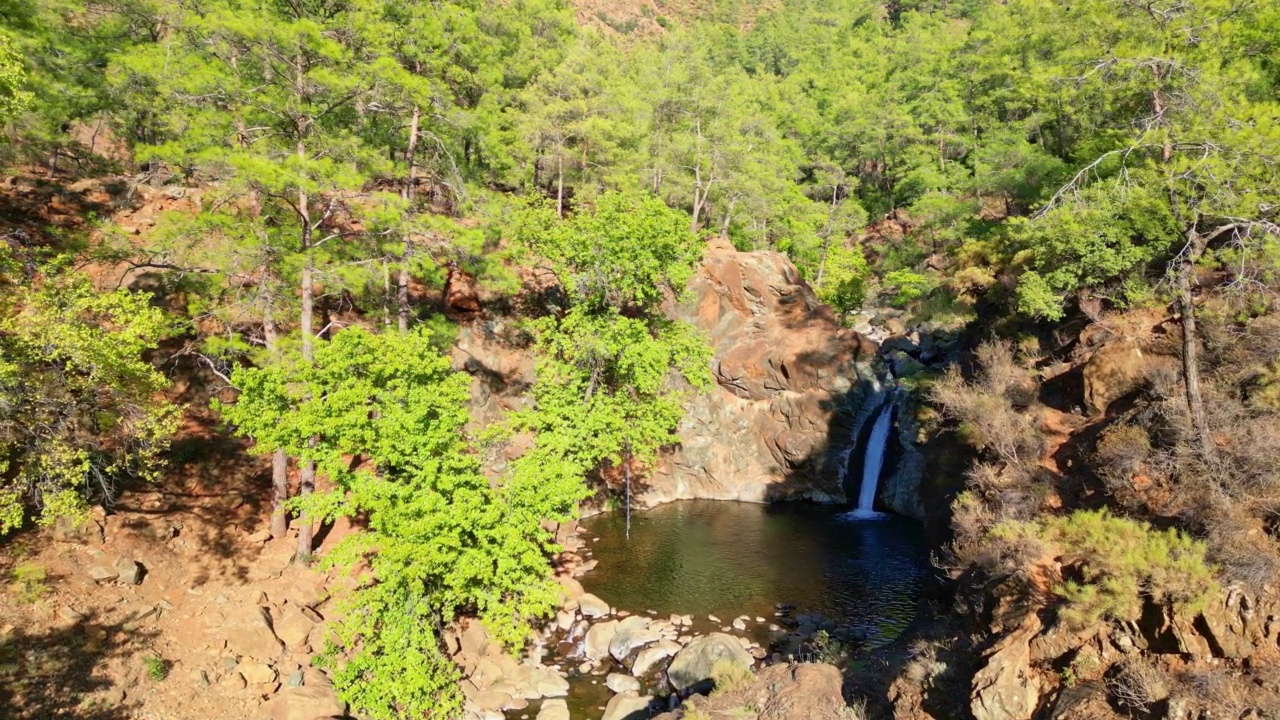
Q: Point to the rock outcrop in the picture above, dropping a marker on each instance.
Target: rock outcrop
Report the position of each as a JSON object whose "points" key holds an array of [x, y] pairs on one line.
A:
{"points": [[790, 385], [807, 691]]}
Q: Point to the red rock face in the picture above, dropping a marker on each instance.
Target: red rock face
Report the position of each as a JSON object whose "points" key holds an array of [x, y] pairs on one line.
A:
{"points": [[784, 370]]}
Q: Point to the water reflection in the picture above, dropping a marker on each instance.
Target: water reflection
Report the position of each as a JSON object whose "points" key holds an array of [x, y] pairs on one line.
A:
{"points": [[729, 559]]}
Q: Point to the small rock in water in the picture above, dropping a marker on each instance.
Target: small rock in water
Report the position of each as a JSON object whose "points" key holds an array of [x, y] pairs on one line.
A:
{"points": [[726, 629], [554, 710], [592, 606], [620, 683], [759, 619], [739, 625], [585, 668], [714, 619]]}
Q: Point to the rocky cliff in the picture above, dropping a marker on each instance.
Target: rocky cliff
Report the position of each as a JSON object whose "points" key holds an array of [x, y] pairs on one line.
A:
{"points": [[792, 386]]}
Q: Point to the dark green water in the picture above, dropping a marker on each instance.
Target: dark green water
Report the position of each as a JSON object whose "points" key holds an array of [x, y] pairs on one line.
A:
{"points": [[729, 559]]}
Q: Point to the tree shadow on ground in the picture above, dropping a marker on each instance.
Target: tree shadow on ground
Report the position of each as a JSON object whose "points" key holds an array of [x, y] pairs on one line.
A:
{"points": [[60, 673]]}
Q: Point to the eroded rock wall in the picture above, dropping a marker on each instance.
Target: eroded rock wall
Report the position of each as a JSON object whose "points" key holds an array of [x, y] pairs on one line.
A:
{"points": [[792, 385]]}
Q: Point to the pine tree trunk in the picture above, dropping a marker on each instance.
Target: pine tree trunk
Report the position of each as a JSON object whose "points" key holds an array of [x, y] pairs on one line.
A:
{"points": [[279, 461], [1191, 341], [402, 279], [560, 183], [307, 482]]}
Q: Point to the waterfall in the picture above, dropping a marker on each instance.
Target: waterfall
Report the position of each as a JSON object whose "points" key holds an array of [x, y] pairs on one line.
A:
{"points": [[873, 462]]}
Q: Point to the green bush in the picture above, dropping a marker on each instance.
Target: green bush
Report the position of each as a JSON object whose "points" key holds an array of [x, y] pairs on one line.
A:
{"points": [[1117, 562], [157, 668], [31, 581], [730, 676]]}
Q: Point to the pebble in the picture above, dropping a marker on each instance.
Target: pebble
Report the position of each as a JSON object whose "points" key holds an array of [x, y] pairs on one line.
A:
{"points": [[714, 619]]}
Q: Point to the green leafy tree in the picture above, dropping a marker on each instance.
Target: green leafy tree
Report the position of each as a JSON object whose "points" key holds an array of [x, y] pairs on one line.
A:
{"points": [[267, 99], [613, 373], [80, 407], [14, 97], [440, 541]]}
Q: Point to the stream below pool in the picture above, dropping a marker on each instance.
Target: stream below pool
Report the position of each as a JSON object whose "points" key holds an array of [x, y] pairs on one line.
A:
{"points": [[863, 576]]}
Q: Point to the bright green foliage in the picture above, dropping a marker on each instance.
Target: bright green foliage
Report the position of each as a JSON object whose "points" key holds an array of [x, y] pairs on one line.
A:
{"points": [[31, 581], [440, 540], [1114, 563], [605, 385], [157, 667], [628, 252], [79, 406], [844, 283], [14, 97], [613, 374], [907, 285]]}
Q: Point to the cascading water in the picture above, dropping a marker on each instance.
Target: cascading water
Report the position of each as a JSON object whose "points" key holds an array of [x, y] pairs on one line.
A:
{"points": [[873, 463]]}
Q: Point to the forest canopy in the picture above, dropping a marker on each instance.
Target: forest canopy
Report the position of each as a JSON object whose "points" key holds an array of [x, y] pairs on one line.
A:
{"points": [[1026, 157]]}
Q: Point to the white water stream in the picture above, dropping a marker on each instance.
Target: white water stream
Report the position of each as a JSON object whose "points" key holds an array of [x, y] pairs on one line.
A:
{"points": [[873, 463]]}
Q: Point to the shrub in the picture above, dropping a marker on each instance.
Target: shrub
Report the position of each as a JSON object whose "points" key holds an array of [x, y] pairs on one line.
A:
{"points": [[984, 408], [157, 668], [1121, 452], [907, 286], [856, 710], [31, 581], [730, 676], [825, 649], [1136, 685], [692, 712], [1116, 562]]}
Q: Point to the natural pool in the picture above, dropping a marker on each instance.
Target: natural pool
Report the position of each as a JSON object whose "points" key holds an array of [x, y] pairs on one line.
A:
{"points": [[728, 559]]}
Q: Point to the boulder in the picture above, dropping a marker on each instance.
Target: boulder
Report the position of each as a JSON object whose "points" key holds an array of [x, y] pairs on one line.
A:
{"points": [[556, 709], [692, 666], [309, 702], [592, 606], [627, 706], [128, 571], [647, 658], [596, 645], [549, 684], [785, 369], [294, 628], [1118, 368], [249, 633], [256, 673], [633, 632], [619, 683], [461, 297]]}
